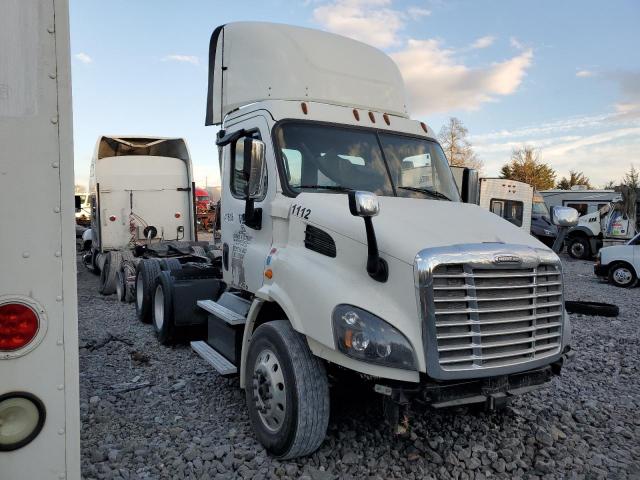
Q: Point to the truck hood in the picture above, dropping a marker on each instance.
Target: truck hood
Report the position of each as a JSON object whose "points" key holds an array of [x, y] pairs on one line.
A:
{"points": [[405, 226]]}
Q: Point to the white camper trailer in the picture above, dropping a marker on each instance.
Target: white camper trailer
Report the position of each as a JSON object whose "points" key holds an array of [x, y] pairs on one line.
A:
{"points": [[39, 407], [508, 199]]}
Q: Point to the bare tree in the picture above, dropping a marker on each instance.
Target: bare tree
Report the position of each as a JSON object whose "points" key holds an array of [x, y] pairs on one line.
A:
{"points": [[632, 178], [610, 185], [456, 146], [527, 166]]}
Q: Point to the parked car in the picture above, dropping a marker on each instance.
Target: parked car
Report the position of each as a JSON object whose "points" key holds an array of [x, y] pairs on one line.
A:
{"points": [[620, 263]]}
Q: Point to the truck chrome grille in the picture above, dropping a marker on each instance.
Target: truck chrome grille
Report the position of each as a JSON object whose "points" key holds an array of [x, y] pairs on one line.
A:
{"points": [[488, 317]]}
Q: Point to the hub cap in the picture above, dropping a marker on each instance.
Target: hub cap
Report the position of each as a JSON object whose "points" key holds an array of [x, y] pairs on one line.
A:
{"points": [[158, 307], [622, 275], [577, 249], [269, 390]]}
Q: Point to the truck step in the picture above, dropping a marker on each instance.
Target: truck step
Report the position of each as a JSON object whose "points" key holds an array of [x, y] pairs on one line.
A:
{"points": [[213, 358], [221, 312]]}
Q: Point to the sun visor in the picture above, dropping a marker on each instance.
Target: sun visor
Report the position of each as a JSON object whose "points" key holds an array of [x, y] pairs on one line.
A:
{"points": [[256, 61]]}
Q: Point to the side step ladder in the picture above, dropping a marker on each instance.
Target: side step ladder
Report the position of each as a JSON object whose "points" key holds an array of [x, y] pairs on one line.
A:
{"points": [[213, 358], [222, 312]]}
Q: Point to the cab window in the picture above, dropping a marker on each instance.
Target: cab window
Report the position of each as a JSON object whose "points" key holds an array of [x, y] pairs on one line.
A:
{"points": [[510, 210]]}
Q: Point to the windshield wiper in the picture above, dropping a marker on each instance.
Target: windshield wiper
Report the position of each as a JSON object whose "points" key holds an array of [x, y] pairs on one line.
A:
{"points": [[426, 191], [337, 188]]}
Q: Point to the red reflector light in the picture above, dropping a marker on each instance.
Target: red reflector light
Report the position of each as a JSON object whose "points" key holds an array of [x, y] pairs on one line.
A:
{"points": [[18, 326], [112, 218], [177, 215]]}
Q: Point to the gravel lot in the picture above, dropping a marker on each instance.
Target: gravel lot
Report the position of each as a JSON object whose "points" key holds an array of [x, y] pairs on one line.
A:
{"points": [[155, 412]]}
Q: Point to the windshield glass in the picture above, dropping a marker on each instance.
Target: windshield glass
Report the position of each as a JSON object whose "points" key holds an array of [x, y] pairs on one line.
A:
{"points": [[539, 208], [329, 158]]}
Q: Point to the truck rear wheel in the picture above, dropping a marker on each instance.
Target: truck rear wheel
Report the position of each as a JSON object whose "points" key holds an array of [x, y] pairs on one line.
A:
{"points": [[287, 391], [146, 274], [108, 273], [579, 248], [121, 285], [162, 312]]}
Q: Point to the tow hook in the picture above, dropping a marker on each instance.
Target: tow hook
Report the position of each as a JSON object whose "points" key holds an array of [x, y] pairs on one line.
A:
{"points": [[395, 409]]}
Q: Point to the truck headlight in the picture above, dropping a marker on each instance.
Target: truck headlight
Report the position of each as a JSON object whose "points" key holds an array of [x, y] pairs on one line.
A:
{"points": [[363, 336]]}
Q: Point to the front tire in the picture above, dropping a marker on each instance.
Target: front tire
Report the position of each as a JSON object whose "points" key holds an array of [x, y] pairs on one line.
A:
{"points": [[622, 275], [579, 248], [287, 391]]}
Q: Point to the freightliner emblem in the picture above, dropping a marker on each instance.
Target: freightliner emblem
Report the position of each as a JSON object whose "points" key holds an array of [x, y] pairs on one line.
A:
{"points": [[507, 259]]}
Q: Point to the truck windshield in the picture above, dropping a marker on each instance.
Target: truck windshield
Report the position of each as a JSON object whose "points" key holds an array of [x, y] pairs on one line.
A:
{"points": [[539, 208], [334, 159]]}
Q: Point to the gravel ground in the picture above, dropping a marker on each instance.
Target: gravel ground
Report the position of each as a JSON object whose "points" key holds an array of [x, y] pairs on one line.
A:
{"points": [[155, 412]]}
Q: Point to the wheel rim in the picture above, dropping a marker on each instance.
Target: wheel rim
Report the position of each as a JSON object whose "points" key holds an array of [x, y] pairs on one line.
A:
{"points": [[139, 292], [622, 275], [269, 390], [158, 308], [577, 249]]}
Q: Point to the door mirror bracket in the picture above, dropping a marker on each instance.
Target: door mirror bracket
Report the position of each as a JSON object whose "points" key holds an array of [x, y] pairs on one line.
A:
{"points": [[365, 205], [254, 171]]}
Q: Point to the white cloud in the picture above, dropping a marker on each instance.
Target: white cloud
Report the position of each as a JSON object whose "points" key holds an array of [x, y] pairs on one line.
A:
{"points": [[515, 43], [437, 82], [182, 58], [369, 21], [483, 42], [83, 57], [418, 12], [584, 73], [436, 79]]}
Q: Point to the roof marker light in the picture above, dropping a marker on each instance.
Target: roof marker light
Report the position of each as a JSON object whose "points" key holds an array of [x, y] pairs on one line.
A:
{"points": [[424, 127], [356, 114], [386, 119], [372, 118], [303, 105]]}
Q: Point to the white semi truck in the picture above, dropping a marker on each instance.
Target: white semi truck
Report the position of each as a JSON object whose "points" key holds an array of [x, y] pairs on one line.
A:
{"points": [[39, 406], [346, 249], [142, 198]]}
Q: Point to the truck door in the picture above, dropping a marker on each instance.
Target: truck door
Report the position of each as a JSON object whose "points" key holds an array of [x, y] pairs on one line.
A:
{"points": [[245, 249]]}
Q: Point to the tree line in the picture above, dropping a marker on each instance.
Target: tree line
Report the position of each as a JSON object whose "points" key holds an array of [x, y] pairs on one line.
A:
{"points": [[526, 164]]}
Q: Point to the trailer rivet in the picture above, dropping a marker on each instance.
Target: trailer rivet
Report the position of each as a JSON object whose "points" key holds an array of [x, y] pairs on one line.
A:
{"points": [[56, 209], [26, 254], [51, 30], [52, 75], [60, 342], [55, 164], [54, 120], [62, 476], [61, 431], [58, 254], [59, 298], [60, 387]]}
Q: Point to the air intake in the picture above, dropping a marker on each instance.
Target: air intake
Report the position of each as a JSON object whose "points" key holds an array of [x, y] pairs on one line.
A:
{"points": [[319, 241]]}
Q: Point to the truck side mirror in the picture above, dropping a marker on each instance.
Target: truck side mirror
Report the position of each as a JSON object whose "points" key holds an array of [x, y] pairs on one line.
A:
{"points": [[256, 165], [365, 205], [564, 216], [78, 203], [469, 190]]}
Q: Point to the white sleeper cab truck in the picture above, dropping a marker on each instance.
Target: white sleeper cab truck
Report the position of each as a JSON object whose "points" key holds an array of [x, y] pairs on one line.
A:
{"points": [[346, 250], [142, 200], [39, 406]]}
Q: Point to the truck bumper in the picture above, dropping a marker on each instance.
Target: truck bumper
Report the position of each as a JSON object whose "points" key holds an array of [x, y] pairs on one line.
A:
{"points": [[601, 270], [491, 391]]}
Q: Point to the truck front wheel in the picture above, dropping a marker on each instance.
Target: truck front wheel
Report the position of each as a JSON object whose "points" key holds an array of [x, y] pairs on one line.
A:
{"points": [[287, 391], [579, 248]]}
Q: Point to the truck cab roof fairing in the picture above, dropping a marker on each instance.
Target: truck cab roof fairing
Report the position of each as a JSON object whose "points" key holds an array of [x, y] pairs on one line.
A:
{"points": [[254, 61]]}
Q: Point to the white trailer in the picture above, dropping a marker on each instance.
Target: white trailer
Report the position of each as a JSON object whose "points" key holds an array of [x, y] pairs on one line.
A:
{"points": [[39, 406], [432, 299]]}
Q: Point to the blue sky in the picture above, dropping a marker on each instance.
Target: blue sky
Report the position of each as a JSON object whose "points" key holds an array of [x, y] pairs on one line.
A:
{"points": [[561, 76]]}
